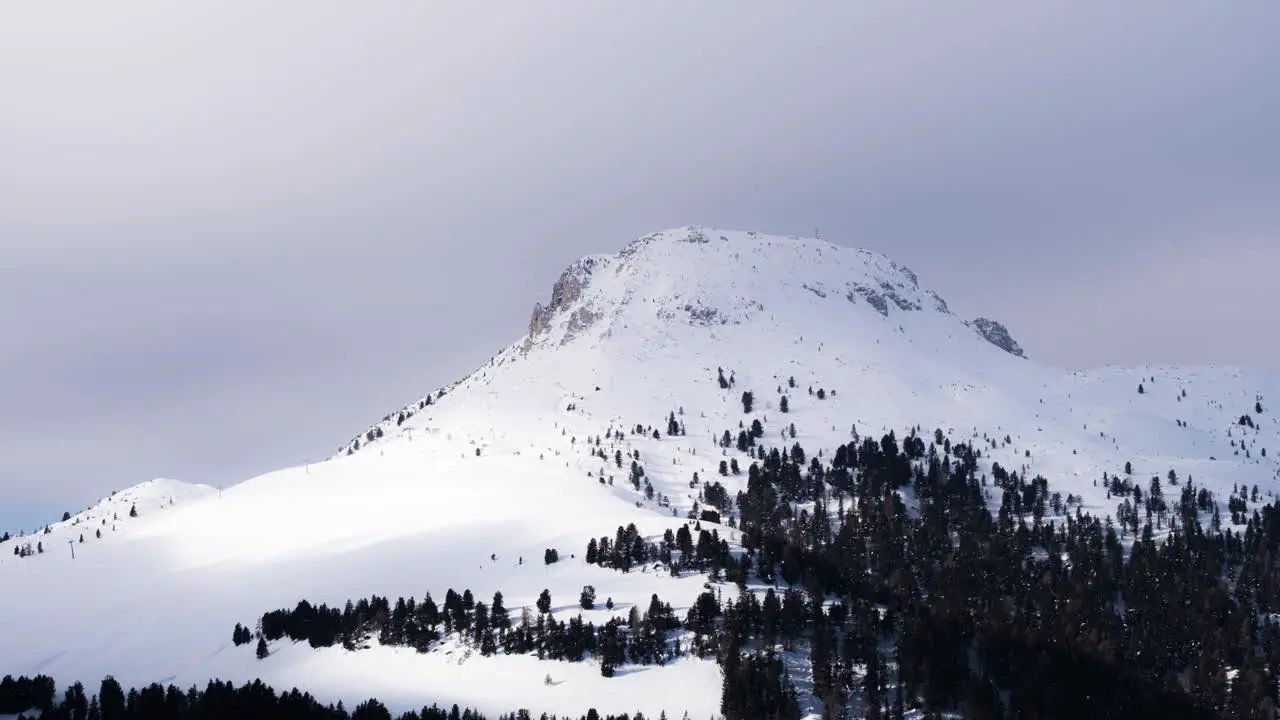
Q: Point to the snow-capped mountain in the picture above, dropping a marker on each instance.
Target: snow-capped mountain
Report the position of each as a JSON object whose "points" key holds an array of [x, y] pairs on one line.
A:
{"points": [[468, 486]]}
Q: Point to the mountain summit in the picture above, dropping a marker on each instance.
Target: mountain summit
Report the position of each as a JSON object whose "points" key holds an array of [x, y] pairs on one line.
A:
{"points": [[634, 413], [706, 294], [708, 278]]}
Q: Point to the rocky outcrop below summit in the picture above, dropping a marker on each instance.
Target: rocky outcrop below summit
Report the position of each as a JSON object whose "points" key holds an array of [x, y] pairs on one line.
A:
{"points": [[997, 334], [565, 292]]}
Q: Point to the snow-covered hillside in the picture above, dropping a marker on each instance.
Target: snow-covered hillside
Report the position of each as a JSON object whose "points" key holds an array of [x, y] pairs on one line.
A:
{"points": [[104, 519], [466, 487]]}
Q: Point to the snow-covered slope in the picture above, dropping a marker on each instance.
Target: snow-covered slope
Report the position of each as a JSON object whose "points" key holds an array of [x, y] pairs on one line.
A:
{"points": [[467, 486], [99, 522]]}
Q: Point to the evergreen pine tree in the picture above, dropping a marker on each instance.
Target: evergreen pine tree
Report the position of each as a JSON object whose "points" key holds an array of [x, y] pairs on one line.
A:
{"points": [[111, 700]]}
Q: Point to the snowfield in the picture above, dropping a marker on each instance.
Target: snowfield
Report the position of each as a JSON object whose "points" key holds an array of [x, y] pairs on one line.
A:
{"points": [[467, 492]]}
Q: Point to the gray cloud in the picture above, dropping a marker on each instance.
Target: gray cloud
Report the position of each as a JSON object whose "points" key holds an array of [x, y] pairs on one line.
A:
{"points": [[210, 217]]}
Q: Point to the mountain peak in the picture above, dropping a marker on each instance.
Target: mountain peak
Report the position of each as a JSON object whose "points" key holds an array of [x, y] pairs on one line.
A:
{"points": [[712, 277], [707, 291]]}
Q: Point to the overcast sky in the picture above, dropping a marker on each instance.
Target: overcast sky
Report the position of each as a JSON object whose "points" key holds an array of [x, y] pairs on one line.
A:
{"points": [[232, 234]]}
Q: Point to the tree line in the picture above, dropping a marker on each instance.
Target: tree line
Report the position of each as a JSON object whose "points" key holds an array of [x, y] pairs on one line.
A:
{"points": [[645, 637]]}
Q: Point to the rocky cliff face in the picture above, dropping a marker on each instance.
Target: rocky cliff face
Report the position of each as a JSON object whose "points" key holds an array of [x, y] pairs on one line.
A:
{"points": [[565, 292], [998, 335]]}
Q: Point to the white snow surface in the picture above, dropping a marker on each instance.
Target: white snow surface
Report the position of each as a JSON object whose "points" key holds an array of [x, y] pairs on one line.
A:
{"points": [[626, 340]]}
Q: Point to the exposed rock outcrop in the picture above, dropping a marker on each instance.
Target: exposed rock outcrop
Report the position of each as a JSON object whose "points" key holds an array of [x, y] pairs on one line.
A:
{"points": [[564, 293], [997, 335]]}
